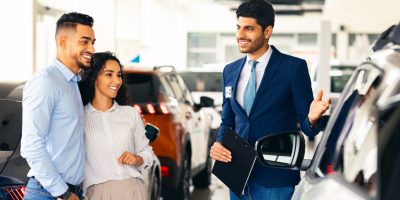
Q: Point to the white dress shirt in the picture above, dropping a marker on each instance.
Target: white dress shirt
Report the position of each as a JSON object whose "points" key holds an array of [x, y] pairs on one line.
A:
{"points": [[246, 71], [109, 134]]}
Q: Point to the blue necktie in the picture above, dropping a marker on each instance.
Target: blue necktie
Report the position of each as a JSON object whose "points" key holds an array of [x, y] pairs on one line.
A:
{"points": [[250, 91]]}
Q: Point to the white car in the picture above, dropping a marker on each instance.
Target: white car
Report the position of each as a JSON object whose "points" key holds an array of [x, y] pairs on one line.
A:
{"points": [[206, 81], [339, 74]]}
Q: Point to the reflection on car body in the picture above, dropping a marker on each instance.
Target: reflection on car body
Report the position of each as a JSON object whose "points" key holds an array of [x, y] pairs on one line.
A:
{"points": [[352, 160]]}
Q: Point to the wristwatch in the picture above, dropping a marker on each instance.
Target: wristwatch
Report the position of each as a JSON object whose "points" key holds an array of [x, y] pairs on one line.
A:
{"points": [[65, 195]]}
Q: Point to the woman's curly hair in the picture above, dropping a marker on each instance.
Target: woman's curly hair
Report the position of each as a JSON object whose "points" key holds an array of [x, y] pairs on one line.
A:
{"points": [[89, 76]]}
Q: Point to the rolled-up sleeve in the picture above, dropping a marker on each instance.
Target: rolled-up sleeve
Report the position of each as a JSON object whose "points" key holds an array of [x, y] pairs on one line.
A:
{"points": [[39, 99]]}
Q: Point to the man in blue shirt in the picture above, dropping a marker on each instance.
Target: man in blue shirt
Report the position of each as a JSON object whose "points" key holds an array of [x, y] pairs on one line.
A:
{"points": [[265, 92], [53, 119]]}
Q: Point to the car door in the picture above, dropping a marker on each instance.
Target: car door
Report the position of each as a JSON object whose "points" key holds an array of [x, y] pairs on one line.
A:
{"points": [[389, 148], [11, 162], [328, 164]]}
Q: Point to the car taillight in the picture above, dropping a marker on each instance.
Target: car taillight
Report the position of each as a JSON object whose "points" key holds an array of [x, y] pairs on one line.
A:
{"points": [[164, 109], [153, 108], [330, 169], [164, 171], [138, 108], [12, 192], [150, 108]]}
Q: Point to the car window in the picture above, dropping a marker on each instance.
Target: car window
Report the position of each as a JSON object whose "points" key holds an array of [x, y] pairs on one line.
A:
{"points": [[176, 88], [203, 81], [359, 89], [143, 88], [388, 151], [340, 74], [166, 88], [186, 92], [10, 127]]}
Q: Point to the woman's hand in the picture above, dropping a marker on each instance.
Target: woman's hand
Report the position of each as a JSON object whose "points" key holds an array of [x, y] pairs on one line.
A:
{"points": [[128, 158]]}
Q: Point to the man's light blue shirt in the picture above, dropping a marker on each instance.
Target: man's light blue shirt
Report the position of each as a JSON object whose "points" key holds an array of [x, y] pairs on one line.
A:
{"points": [[52, 128]]}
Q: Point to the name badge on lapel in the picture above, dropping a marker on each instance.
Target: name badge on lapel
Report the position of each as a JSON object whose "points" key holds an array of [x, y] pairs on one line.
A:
{"points": [[228, 91]]}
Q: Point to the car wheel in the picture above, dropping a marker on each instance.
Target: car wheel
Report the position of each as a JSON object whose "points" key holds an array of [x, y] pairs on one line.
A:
{"points": [[155, 188], [203, 179]]}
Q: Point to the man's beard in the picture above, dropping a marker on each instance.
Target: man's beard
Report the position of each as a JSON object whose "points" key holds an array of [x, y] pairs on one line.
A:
{"points": [[256, 45], [82, 66]]}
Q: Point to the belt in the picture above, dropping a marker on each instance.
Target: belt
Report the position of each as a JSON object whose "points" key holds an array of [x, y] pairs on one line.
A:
{"points": [[77, 189]]}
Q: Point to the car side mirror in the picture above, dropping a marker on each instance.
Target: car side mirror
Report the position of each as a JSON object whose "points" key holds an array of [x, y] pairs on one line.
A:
{"points": [[283, 150], [152, 132]]}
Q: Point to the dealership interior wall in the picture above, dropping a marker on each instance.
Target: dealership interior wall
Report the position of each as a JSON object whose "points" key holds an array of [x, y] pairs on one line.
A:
{"points": [[184, 33]]}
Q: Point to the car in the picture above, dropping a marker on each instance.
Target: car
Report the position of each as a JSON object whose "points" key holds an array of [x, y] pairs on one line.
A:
{"points": [[162, 97], [206, 81], [340, 73], [357, 157], [14, 168], [11, 188]]}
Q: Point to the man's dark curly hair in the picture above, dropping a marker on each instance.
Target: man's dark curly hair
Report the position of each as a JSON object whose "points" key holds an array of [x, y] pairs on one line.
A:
{"points": [[70, 20], [89, 76], [260, 10]]}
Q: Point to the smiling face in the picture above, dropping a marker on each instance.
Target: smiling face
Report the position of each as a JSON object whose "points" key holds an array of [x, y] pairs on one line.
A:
{"points": [[108, 81], [251, 38], [76, 47]]}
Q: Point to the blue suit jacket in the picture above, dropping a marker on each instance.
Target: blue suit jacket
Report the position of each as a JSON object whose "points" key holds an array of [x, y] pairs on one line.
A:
{"points": [[282, 100]]}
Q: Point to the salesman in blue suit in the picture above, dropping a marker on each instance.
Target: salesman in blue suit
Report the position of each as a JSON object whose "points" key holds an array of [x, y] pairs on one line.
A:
{"points": [[265, 92]]}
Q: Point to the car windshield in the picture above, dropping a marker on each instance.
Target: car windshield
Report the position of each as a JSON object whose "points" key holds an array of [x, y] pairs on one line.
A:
{"points": [[203, 81], [142, 88]]}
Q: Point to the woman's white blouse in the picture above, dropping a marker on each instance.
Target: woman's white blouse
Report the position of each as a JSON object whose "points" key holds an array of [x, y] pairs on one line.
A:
{"points": [[109, 134]]}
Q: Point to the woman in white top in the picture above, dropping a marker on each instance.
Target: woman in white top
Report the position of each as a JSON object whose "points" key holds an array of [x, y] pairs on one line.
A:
{"points": [[116, 145]]}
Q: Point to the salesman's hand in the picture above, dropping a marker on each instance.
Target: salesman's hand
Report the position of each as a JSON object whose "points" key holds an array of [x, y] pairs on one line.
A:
{"points": [[317, 108], [220, 153], [129, 158]]}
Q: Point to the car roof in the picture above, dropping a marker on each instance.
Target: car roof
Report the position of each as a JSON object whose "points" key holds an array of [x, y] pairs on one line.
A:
{"points": [[132, 69], [218, 67], [11, 90]]}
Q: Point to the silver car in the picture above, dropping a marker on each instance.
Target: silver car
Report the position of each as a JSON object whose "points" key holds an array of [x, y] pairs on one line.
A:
{"points": [[358, 156]]}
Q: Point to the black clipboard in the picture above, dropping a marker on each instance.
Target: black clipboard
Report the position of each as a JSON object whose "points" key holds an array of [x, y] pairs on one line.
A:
{"points": [[236, 173]]}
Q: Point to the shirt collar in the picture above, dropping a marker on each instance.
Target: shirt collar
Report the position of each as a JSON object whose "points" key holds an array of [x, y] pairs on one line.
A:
{"points": [[67, 74], [264, 59], [92, 109]]}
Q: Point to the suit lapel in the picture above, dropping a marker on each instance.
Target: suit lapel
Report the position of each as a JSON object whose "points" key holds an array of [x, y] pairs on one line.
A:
{"points": [[269, 72]]}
